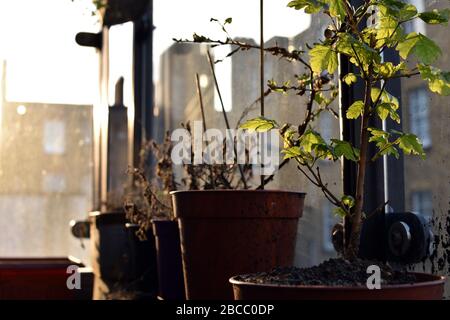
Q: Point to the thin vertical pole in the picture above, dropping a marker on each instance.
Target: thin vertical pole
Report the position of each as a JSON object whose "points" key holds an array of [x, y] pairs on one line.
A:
{"points": [[224, 113], [261, 54], [200, 98], [202, 109], [261, 71]]}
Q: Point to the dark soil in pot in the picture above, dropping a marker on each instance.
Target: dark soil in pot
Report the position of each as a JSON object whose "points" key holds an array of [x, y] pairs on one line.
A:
{"points": [[336, 279], [333, 272]]}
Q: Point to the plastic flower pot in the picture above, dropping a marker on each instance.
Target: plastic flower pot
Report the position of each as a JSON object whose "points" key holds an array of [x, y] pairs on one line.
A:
{"points": [[229, 232], [427, 287], [170, 270]]}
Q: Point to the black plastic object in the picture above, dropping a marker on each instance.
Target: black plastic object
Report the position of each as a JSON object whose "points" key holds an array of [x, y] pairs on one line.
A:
{"points": [[124, 267], [88, 39], [396, 237], [170, 268]]}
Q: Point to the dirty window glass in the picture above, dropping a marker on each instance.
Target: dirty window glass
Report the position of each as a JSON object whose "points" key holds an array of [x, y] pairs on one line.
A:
{"points": [[48, 87]]}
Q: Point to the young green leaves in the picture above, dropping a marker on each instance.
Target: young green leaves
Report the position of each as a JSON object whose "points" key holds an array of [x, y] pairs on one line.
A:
{"points": [[323, 57], [259, 124], [355, 110], [345, 149], [385, 104], [407, 142], [308, 147], [425, 49], [310, 6], [438, 81], [335, 7], [350, 78], [435, 16], [360, 53]]}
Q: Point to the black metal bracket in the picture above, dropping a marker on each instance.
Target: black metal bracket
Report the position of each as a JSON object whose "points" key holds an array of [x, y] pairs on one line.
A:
{"points": [[402, 238], [89, 39]]}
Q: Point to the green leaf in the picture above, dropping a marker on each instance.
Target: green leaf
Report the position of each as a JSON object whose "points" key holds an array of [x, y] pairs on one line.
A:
{"points": [[323, 58], [310, 6], [438, 81], [291, 152], [387, 31], [374, 94], [288, 135], [406, 13], [338, 211], [350, 78], [385, 97], [228, 20], [391, 14], [410, 144], [435, 16], [356, 50], [391, 7], [310, 139], [383, 110], [323, 151], [336, 8], [388, 69], [386, 109], [405, 47], [319, 98], [348, 201], [381, 140], [397, 9], [259, 124], [426, 50], [355, 110], [378, 132], [344, 148]]}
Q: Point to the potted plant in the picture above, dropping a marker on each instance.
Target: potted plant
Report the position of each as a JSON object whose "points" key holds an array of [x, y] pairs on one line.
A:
{"points": [[148, 207], [221, 219], [349, 36], [208, 233], [122, 263]]}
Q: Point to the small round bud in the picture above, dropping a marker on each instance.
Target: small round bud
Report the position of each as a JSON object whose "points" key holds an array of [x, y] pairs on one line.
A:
{"points": [[328, 33]]}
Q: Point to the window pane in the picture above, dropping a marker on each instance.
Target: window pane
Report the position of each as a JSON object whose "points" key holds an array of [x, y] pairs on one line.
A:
{"points": [[427, 181], [48, 87]]}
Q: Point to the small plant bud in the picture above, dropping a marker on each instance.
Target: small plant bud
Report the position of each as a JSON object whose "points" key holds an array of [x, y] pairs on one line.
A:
{"points": [[328, 33]]}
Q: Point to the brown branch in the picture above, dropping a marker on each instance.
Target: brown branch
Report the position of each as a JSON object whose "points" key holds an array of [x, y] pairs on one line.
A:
{"points": [[275, 50], [303, 126], [351, 251], [402, 75]]}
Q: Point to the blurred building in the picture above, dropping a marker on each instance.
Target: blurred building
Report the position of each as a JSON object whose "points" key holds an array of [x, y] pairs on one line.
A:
{"points": [[177, 98], [45, 168]]}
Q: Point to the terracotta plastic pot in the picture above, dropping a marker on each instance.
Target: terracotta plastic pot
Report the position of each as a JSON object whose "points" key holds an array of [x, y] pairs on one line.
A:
{"points": [[428, 287], [229, 232], [170, 269]]}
